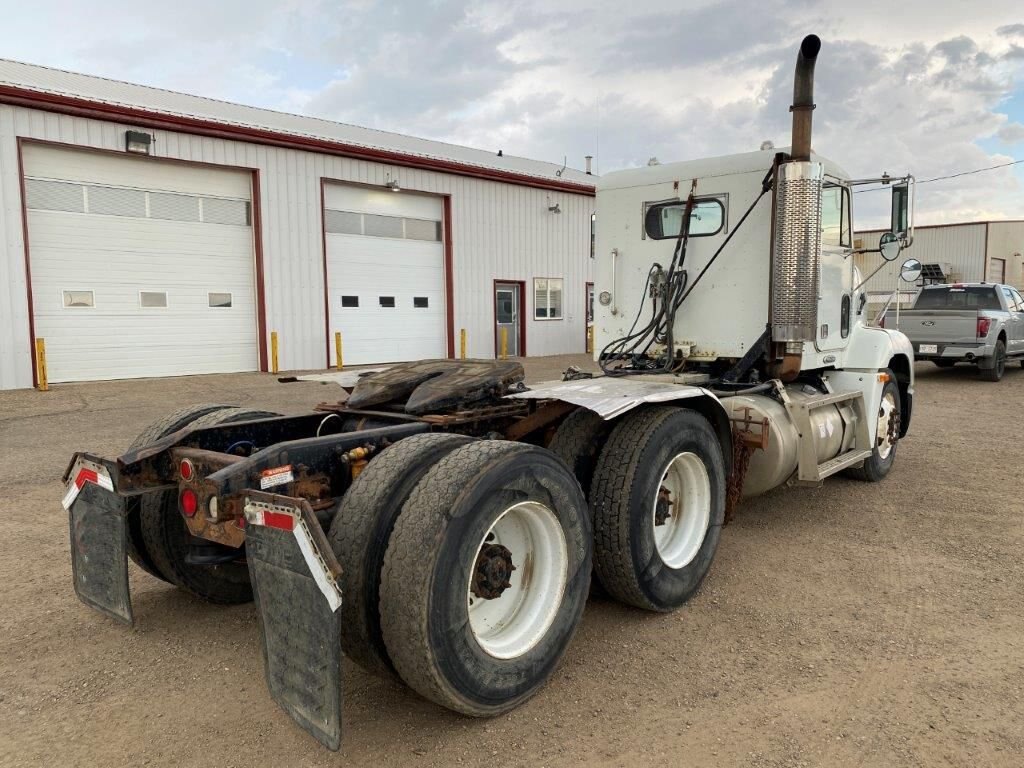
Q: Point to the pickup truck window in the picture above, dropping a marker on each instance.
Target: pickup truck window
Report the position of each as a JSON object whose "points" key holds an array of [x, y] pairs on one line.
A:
{"points": [[835, 216], [1018, 300], [950, 297]]}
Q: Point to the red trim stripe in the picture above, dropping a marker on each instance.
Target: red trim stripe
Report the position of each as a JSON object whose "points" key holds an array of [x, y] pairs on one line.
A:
{"points": [[86, 476], [279, 520]]}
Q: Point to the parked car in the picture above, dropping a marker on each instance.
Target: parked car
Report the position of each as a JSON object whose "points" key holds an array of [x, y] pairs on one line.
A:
{"points": [[978, 323]]}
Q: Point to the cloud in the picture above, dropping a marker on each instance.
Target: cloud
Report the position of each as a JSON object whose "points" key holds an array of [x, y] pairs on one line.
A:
{"points": [[937, 93]]}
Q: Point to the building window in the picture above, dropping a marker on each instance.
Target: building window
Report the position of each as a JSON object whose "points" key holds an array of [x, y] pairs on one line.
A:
{"points": [[79, 299], [350, 301], [420, 302], [547, 298], [387, 301], [152, 299], [593, 234], [219, 299]]}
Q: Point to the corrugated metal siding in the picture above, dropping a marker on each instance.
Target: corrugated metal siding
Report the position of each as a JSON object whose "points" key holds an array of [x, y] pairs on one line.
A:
{"points": [[1006, 241], [961, 246], [499, 231]]}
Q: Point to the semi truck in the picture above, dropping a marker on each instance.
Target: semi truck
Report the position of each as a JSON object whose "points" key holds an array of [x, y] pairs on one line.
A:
{"points": [[443, 524]]}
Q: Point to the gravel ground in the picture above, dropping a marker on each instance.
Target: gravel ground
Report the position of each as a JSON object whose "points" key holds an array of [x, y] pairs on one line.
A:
{"points": [[854, 624]]}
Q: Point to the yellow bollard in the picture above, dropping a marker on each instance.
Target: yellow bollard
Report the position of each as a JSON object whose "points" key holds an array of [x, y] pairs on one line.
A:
{"points": [[337, 350], [504, 343], [273, 351], [43, 385], [462, 344], [590, 339]]}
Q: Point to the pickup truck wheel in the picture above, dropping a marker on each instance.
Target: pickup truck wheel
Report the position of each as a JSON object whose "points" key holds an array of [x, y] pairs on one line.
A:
{"points": [[168, 425], [486, 576], [360, 532], [167, 538], [658, 503], [887, 435], [995, 373]]}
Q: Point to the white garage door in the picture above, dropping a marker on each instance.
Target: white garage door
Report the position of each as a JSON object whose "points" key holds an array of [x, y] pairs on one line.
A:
{"points": [[385, 274], [139, 268]]}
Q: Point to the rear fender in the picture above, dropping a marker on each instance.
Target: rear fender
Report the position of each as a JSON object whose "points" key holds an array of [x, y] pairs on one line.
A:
{"points": [[610, 397]]}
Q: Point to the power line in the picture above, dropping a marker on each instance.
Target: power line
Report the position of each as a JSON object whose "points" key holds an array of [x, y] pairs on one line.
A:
{"points": [[950, 176]]}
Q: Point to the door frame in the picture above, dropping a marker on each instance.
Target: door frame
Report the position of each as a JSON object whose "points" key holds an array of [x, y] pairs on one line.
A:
{"points": [[587, 288], [255, 224], [447, 249], [522, 314]]}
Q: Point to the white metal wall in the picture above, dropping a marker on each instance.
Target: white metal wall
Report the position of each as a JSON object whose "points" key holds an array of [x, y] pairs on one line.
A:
{"points": [[962, 246], [1006, 241], [498, 231]]}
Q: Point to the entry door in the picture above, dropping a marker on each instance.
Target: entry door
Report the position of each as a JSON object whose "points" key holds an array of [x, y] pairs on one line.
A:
{"points": [[507, 298]]}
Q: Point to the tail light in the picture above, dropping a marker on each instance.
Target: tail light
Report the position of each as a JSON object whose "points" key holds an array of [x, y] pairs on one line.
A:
{"points": [[984, 324], [186, 469], [189, 502]]}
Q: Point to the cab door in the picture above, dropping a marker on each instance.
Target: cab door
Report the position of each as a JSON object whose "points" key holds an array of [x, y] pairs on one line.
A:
{"points": [[835, 278], [1015, 326]]}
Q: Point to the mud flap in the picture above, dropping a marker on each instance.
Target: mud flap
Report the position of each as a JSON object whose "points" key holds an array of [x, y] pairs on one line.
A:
{"points": [[99, 559], [295, 582]]}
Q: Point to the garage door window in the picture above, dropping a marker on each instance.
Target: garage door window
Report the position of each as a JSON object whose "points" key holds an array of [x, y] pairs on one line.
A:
{"points": [[547, 298], [76, 299], [420, 302], [350, 301], [219, 300], [171, 207], [387, 301], [418, 229], [152, 299], [218, 210], [376, 225], [116, 201], [42, 195]]}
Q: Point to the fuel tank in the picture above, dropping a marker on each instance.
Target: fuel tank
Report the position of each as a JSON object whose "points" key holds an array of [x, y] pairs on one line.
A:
{"points": [[773, 466]]}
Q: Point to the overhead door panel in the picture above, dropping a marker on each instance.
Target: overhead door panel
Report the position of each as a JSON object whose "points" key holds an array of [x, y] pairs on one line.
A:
{"points": [[385, 274], [139, 268]]}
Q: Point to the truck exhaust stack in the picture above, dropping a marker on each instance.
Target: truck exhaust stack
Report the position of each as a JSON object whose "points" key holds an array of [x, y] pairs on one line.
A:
{"points": [[797, 241]]}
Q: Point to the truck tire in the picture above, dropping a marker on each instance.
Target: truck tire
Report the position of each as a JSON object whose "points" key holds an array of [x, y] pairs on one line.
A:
{"points": [[646, 554], [995, 373], [486, 576], [166, 537], [359, 536], [168, 425], [883, 454], [578, 442]]}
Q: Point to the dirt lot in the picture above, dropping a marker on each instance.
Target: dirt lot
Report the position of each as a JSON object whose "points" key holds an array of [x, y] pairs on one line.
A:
{"points": [[854, 624]]}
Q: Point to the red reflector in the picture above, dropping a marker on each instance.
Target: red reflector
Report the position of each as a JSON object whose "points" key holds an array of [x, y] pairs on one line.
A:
{"points": [[279, 520], [85, 476], [186, 469], [984, 324], [189, 502]]}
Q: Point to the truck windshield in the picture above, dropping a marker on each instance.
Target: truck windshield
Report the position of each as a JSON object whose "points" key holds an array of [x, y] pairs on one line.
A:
{"points": [[951, 297]]}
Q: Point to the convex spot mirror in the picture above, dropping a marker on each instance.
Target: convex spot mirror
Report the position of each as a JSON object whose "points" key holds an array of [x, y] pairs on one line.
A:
{"points": [[889, 246], [910, 271]]}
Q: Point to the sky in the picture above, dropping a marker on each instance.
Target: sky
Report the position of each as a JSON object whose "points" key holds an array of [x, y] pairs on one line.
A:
{"points": [[930, 87]]}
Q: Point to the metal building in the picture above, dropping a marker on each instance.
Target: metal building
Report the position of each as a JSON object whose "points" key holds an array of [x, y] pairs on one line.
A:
{"points": [[151, 233], [990, 251]]}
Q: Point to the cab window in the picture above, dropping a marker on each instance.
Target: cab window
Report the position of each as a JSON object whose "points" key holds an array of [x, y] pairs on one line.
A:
{"points": [[835, 216]]}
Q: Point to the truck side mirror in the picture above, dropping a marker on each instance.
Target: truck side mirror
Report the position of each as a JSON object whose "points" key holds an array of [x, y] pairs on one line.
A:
{"points": [[910, 271], [889, 246], [902, 221]]}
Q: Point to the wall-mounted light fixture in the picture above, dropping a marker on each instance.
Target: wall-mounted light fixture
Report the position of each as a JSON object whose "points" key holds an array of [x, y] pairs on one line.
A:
{"points": [[556, 208], [137, 142], [393, 185]]}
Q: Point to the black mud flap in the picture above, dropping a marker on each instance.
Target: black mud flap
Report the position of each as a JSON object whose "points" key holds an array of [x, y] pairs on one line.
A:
{"points": [[295, 582], [99, 559]]}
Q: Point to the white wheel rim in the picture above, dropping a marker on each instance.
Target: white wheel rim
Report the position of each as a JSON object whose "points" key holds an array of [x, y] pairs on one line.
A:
{"points": [[509, 625], [686, 488], [885, 415]]}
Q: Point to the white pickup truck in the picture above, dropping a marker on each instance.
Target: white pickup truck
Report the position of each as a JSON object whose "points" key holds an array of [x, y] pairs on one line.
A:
{"points": [[978, 323]]}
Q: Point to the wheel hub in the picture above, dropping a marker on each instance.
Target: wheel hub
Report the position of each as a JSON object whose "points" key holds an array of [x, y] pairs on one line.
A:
{"points": [[663, 507], [492, 572]]}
